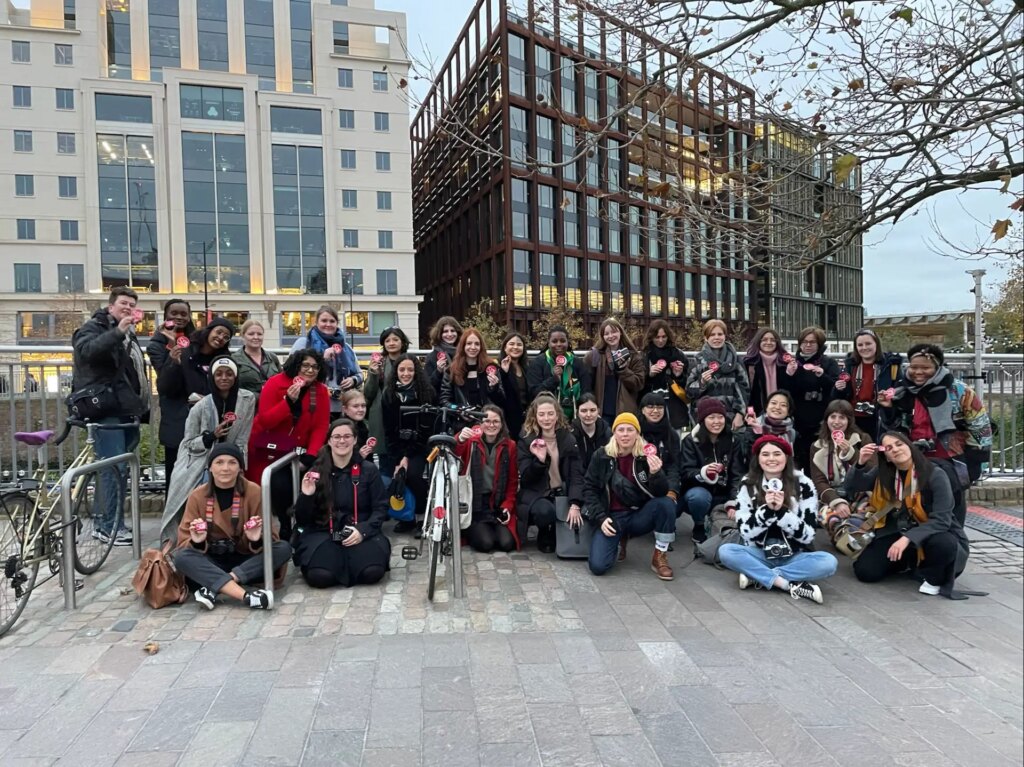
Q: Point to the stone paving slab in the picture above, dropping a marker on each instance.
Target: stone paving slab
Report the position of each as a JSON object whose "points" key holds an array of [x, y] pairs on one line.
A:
{"points": [[540, 664]]}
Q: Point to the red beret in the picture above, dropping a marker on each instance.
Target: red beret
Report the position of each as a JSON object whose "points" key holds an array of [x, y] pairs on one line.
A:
{"points": [[771, 439]]}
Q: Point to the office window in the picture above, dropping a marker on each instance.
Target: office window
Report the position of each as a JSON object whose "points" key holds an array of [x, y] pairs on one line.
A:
{"points": [[383, 200], [548, 279], [212, 17], [300, 224], [380, 82], [295, 120], [70, 277], [349, 199], [385, 239], [345, 78], [387, 282], [164, 35], [23, 140], [348, 159], [545, 144], [341, 38], [116, 107], [24, 186], [68, 230], [66, 143], [22, 96], [350, 238], [546, 213], [119, 40], [26, 228], [520, 209], [542, 80], [67, 186], [383, 160], [381, 321], [347, 119], [381, 122], [517, 65], [301, 13], [519, 133], [27, 278], [522, 278], [595, 286], [21, 51], [571, 219], [573, 283], [259, 40], [63, 55], [65, 98], [352, 282], [614, 227], [206, 102]]}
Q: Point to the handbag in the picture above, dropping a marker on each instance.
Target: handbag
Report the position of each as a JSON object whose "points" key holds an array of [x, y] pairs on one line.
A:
{"points": [[272, 446], [156, 580], [465, 501], [570, 542]]}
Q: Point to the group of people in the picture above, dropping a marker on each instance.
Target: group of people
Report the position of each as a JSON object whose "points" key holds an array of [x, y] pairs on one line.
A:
{"points": [[759, 449]]}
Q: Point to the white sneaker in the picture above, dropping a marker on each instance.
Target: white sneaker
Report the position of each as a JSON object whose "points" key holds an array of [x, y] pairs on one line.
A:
{"points": [[806, 591], [745, 582], [929, 589], [206, 597], [260, 599]]}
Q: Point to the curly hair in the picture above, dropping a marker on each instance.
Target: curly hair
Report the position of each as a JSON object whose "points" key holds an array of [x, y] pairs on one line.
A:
{"points": [[424, 391], [530, 425], [558, 329], [459, 366], [293, 364]]}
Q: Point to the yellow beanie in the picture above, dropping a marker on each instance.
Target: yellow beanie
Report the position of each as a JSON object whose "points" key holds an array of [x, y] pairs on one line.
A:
{"points": [[623, 418]]}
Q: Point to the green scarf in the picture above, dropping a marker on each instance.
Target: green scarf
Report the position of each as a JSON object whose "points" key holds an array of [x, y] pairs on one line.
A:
{"points": [[568, 387]]}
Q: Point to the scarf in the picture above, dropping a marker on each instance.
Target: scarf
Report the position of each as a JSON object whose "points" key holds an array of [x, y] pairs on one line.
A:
{"points": [[448, 349], [317, 341], [406, 393], [725, 357], [667, 353], [770, 364], [568, 386], [778, 428], [934, 395], [908, 499]]}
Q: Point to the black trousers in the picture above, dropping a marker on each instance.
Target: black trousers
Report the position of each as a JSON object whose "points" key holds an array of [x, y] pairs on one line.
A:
{"points": [[170, 458], [487, 535], [938, 566]]}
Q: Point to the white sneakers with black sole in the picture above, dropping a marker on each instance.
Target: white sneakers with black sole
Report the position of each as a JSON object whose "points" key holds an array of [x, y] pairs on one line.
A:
{"points": [[929, 589]]}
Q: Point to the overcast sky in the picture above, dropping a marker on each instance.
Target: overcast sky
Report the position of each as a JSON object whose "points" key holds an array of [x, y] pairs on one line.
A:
{"points": [[902, 273]]}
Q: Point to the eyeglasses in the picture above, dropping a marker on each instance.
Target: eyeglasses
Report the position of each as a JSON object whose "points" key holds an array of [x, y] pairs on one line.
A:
{"points": [[312, 367], [342, 438]]}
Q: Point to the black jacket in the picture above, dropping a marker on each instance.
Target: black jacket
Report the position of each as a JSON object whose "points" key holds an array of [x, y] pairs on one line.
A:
{"points": [[175, 383], [406, 434], [810, 392], [173, 410], [472, 391], [758, 383], [664, 437], [590, 445], [370, 497], [533, 475], [603, 478], [678, 412], [514, 408], [101, 356], [540, 378], [732, 450]]}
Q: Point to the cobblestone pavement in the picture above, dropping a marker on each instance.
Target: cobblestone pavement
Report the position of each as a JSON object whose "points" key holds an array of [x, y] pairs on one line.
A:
{"points": [[541, 664]]}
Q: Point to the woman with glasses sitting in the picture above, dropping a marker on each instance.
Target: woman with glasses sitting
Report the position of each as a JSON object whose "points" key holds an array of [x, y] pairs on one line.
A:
{"points": [[294, 411]]}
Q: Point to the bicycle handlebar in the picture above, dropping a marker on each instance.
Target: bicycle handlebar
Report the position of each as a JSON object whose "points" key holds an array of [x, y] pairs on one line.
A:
{"points": [[72, 422], [465, 412]]}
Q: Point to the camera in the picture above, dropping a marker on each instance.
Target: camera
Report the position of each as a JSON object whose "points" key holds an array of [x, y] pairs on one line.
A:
{"points": [[775, 544], [865, 408], [220, 547], [339, 535], [925, 445], [335, 393]]}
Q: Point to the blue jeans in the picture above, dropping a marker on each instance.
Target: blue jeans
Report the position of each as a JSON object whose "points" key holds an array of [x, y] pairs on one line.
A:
{"points": [[802, 566], [697, 503], [658, 514], [113, 482]]}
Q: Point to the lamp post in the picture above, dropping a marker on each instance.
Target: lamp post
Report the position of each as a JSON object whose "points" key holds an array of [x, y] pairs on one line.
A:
{"points": [[979, 321], [206, 282], [348, 279]]}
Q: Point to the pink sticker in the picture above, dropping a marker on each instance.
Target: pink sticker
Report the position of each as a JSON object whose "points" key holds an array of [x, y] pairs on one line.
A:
{"points": [[137, 315], [808, 366], [838, 436], [882, 449], [492, 370], [299, 380], [712, 474], [661, 364], [371, 443], [560, 360], [477, 431], [336, 348], [787, 358], [889, 393], [844, 376], [200, 526], [539, 443], [751, 412], [252, 522], [313, 475], [650, 450], [376, 357], [441, 356], [170, 324], [713, 367], [229, 417], [183, 342]]}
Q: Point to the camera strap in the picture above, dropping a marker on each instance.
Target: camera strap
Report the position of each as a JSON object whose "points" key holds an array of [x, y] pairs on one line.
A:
{"points": [[236, 507]]}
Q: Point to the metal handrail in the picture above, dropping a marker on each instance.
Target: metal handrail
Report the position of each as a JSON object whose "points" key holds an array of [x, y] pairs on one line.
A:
{"points": [[68, 536], [292, 460]]}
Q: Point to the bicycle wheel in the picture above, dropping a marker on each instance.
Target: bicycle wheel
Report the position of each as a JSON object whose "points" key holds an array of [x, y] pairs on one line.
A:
{"points": [[18, 577], [91, 550]]}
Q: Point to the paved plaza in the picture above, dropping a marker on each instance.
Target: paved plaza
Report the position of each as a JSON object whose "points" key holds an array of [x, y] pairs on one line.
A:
{"points": [[541, 664]]}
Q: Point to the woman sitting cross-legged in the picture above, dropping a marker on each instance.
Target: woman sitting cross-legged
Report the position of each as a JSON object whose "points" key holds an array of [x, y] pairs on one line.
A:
{"points": [[912, 502], [220, 538], [490, 458], [832, 456], [776, 513], [626, 494], [338, 516]]}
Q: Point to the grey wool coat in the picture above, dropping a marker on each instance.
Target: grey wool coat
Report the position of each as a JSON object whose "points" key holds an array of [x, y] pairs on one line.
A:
{"points": [[192, 453]]}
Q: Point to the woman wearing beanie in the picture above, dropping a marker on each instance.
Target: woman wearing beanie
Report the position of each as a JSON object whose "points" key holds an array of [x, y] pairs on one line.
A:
{"points": [[328, 340], [712, 461], [625, 493], [867, 371], [717, 372], [220, 538], [222, 417], [776, 513], [656, 430]]}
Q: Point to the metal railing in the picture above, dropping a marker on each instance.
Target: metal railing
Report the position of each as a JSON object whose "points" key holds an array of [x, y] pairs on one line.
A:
{"points": [[68, 536], [290, 460], [34, 380]]}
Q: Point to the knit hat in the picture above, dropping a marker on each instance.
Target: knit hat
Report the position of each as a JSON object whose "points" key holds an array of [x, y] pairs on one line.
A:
{"points": [[225, 448], [221, 322], [771, 439], [223, 362], [709, 406], [626, 418], [656, 398]]}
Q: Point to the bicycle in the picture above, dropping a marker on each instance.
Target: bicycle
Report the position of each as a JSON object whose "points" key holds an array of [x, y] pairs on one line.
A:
{"points": [[441, 514], [31, 527]]}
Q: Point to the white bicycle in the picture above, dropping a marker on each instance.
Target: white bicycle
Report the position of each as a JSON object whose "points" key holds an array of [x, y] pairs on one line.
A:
{"points": [[442, 511]]}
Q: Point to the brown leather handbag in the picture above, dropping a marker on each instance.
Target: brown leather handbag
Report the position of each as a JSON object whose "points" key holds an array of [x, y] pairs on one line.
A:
{"points": [[157, 581]]}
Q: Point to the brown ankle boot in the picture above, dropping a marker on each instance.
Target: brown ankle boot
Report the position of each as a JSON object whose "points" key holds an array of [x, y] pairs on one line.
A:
{"points": [[659, 564], [622, 548]]}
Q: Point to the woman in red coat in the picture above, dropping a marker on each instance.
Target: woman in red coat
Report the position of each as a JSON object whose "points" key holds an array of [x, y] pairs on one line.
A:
{"points": [[489, 456], [294, 411]]}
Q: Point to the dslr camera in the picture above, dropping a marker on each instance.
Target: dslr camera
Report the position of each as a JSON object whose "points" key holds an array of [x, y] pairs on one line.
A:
{"points": [[339, 535], [220, 547], [775, 544], [335, 393]]}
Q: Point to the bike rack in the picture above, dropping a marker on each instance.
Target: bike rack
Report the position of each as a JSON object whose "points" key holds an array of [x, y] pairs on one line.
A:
{"points": [[67, 518], [291, 460]]}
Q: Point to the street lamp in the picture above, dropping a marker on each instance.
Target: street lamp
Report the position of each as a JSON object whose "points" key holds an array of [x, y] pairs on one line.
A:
{"points": [[206, 281], [979, 322], [348, 286]]}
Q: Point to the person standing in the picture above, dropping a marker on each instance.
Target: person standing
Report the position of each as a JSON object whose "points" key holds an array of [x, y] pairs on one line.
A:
{"points": [[809, 378], [107, 353], [718, 372], [328, 341], [868, 371], [667, 368], [618, 370], [255, 365]]}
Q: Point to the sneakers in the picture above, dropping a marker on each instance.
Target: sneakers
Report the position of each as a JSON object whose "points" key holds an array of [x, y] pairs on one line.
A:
{"points": [[805, 590], [929, 589], [123, 537], [260, 599], [546, 539], [745, 582], [206, 597], [659, 564]]}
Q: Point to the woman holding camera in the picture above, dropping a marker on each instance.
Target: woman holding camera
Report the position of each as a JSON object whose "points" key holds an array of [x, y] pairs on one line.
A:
{"points": [[220, 537], [339, 360], [489, 456], [913, 503], [339, 514], [223, 417], [549, 466], [626, 494], [618, 370], [867, 371], [776, 513]]}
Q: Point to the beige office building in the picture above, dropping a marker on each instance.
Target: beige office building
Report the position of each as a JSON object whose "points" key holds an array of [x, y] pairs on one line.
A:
{"points": [[259, 148]]}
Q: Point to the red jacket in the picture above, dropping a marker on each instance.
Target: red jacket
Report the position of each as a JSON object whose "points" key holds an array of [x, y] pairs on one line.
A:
{"points": [[274, 415], [506, 474]]}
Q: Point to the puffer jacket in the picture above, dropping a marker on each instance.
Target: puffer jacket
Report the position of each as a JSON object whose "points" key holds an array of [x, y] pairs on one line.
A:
{"points": [[603, 478]]}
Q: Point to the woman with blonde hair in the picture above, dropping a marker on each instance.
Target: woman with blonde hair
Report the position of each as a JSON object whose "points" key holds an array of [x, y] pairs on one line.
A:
{"points": [[255, 366], [618, 370]]}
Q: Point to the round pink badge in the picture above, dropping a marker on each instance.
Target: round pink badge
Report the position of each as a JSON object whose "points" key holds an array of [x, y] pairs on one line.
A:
{"points": [[251, 522], [229, 417], [713, 367], [183, 342], [889, 393], [560, 360], [838, 436], [371, 442], [313, 475], [844, 376], [137, 315], [299, 380], [477, 431], [376, 357], [492, 370], [650, 450], [336, 348], [808, 366], [661, 364], [441, 356], [169, 324], [787, 358], [200, 526]]}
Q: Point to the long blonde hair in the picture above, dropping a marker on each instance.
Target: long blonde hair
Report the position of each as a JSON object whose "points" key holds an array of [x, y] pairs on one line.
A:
{"points": [[530, 425], [612, 448]]}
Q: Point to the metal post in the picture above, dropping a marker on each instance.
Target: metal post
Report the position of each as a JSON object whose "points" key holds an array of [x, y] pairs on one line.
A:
{"points": [[292, 460], [135, 474], [979, 332], [453, 472], [206, 295]]}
